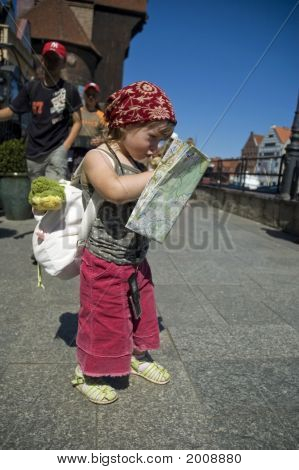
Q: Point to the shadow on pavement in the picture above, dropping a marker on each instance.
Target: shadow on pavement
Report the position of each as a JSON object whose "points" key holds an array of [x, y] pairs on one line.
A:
{"points": [[282, 235], [22, 235], [161, 324], [68, 328], [7, 233]]}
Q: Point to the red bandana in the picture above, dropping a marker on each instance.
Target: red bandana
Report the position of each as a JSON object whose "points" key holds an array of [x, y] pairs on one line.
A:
{"points": [[139, 102]]}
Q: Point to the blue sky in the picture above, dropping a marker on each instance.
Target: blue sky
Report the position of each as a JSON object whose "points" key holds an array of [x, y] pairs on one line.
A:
{"points": [[229, 66]]}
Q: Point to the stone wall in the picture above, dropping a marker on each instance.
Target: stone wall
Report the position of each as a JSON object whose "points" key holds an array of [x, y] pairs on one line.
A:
{"points": [[263, 208]]}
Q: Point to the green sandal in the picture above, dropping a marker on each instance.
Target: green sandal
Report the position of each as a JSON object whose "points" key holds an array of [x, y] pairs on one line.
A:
{"points": [[100, 394], [154, 372]]}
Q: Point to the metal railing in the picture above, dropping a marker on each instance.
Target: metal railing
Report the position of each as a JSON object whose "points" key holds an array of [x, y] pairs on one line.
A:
{"points": [[262, 174]]}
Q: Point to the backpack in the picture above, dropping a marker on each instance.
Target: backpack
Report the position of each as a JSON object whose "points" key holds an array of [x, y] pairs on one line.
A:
{"points": [[60, 236]]}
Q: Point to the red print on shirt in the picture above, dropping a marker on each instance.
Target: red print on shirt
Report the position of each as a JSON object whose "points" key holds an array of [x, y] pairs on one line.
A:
{"points": [[37, 107]]}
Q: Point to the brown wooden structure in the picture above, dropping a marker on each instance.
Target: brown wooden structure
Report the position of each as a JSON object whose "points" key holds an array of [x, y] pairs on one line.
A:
{"points": [[97, 35]]}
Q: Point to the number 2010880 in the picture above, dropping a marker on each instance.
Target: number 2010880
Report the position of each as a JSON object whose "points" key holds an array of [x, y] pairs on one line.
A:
{"points": [[213, 458]]}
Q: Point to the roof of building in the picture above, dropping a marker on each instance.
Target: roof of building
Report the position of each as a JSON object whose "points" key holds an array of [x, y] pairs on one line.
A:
{"points": [[258, 138], [283, 133], [254, 139], [230, 166], [54, 19]]}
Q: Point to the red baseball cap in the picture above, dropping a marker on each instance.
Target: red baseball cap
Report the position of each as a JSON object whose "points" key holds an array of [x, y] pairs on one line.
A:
{"points": [[54, 46], [93, 85]]}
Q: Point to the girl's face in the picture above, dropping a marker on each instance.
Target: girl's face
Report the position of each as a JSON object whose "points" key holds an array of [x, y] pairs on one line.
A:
{"points": [[142, 142]]}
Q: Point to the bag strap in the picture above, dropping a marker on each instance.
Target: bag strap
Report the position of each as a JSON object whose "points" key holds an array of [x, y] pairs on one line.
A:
{"points": [[79, 174], [76, 179], [111, 151]]}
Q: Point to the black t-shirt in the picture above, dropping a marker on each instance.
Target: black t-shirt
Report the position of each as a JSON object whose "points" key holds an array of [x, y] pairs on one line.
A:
{"points": [[51, 109]]}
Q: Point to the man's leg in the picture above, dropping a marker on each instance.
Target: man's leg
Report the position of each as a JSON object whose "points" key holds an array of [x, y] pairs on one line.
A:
{"points": [[57, 164], [37, 167]]}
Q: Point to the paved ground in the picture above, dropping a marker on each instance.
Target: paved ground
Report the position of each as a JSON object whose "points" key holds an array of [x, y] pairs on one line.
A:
{"points": [[227, 290]]}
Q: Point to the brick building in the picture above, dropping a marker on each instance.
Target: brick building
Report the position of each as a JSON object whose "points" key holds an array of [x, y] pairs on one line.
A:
{"points": [[250, 151]]}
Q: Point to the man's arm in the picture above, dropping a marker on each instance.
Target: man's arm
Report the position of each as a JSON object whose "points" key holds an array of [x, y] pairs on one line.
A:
{"points": [[6, 114], [76, 116]]}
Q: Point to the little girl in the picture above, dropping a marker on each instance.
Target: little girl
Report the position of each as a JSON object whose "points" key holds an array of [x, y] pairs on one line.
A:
{"points": [[117, 318]]}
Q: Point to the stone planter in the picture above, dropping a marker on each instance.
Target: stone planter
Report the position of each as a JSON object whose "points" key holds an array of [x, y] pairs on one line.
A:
{"points": [[14, 190]]}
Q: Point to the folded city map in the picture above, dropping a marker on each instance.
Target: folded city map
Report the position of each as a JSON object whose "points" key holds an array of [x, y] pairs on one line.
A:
{"points": [[168, 191]]}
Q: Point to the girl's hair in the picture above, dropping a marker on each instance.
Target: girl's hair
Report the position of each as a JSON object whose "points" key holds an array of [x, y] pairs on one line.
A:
{"points": [[165, 128]]}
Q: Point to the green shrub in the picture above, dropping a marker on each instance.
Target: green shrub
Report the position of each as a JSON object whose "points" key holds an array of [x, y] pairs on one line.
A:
{"points": [[12, 157]]}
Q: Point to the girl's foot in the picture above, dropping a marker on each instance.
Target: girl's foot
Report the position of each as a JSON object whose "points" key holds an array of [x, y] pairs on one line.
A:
{"points": [[93, 389], [151, 371]]}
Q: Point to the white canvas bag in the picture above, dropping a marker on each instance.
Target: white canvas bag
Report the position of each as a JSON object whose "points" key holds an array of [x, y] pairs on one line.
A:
{"points": [[60, 236]]}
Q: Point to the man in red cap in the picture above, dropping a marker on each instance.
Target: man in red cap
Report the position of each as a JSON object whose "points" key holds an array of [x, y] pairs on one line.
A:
{"points": [[93, 124], [54, 105]]}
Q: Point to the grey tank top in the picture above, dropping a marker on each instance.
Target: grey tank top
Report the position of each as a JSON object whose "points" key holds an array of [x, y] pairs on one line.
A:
{"points": [[109, 238]]}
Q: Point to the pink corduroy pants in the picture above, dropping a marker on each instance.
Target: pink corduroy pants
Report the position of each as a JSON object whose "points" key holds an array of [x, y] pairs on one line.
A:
{"points": [[107, 330]]}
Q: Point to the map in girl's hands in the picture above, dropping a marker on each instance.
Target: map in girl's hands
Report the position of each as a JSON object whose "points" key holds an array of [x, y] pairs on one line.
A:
{"points": [[168, 191]]}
